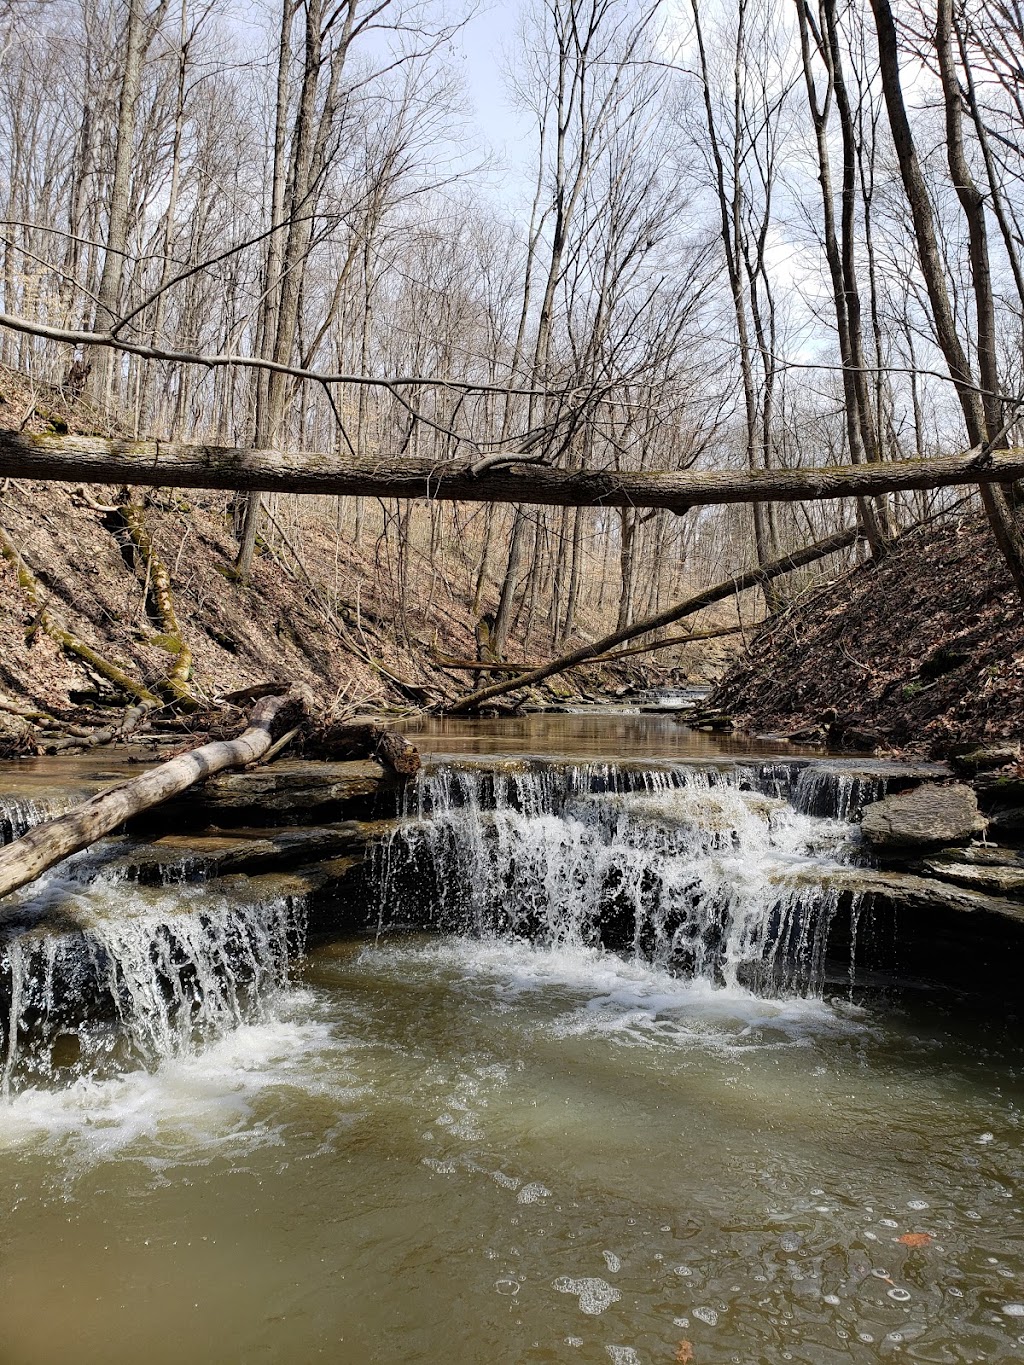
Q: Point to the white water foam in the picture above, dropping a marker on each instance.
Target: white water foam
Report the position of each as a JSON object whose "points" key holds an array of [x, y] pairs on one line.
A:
{"points": [[624, 1000], [207, 1102]]}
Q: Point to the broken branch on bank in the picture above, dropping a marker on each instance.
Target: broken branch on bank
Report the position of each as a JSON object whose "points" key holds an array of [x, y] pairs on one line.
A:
{"points": [[587, 653], [49, 843]]}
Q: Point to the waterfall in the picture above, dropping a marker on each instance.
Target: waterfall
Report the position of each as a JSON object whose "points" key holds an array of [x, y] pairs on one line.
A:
{"points": [[112, 974], [709, 871], [19, 813]]}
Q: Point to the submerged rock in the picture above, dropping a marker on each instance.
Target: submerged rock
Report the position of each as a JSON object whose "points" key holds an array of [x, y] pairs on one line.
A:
{"points": [[927, 817]]}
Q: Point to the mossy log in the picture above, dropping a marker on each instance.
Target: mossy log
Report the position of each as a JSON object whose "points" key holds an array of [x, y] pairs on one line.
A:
{"points": [[48, 623], [49, 843], [161, 603]]}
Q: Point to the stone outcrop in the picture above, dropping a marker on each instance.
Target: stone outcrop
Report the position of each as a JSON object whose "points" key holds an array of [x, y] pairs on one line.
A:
{"points": [[926, 818]]}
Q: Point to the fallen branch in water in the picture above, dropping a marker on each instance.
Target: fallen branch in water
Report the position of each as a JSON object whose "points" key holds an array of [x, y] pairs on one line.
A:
{"points": [[588, 653], [49, 843]]}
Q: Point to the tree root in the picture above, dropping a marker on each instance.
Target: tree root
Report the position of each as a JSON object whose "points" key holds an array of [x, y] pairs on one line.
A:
{"points": [[47, 622]]}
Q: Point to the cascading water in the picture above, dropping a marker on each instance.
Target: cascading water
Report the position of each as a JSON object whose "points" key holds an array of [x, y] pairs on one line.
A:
{"points": [[710, 872], [97, 972]]}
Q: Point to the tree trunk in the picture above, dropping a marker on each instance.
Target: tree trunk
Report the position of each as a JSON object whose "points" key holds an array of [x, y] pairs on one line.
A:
{"points": [[95, 459], [108, 294], [49, 843]]}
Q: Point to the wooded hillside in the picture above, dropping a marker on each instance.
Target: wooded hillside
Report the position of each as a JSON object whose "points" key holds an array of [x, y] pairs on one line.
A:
{"points": [[731, 279]]}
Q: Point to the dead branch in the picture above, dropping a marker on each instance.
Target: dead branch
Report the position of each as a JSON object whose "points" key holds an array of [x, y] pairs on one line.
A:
{"points": [[48, 843]]}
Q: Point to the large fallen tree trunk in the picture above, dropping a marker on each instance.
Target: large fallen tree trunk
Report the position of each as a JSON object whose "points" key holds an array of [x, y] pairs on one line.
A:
{"points": [[48, 843], [690, 638], [94, 459], [751, 579]]}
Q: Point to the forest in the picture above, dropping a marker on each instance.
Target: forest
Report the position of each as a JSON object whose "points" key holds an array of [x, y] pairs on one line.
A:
{"points": [[560, 369]]}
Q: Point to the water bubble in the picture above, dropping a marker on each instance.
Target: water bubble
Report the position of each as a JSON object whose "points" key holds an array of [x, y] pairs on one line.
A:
{"points": [[790, 1242], [865, 1336], [900, 1295], [957, 1293], [973, 1215], [530, 1194], [680, 1322], [623, 1355], [833, 1299], [707, 1315], [594, 1295], [880, 1274], [574, 1341], [984, 1139], [1014, 1310], [508, 1287], [917, 1204], [683, 1270], [888, 1223], [612, 1261]]}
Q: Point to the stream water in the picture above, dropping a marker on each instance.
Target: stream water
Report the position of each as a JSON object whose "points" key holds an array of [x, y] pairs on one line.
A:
{"points": [[585, 1090]]}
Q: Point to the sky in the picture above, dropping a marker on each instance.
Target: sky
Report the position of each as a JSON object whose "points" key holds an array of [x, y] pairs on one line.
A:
{"points": [[483, 46]]}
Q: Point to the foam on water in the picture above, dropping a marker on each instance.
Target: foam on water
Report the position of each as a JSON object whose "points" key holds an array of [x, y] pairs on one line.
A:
{"points": [[205, 1102], [622, 999], [171, 969]]}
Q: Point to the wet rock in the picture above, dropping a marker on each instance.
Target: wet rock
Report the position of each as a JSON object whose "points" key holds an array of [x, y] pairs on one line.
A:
{"points": [[927, 895], [298, 792], [994, 871], [985, 758], [927, 817], [187, 857], [997, 790], [1007, 823]]}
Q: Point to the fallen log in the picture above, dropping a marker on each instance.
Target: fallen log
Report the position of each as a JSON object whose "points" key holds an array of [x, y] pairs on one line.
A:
{"points": [[95, 459], [691, 637], [587, 653], [366, 739], [48, 843]]}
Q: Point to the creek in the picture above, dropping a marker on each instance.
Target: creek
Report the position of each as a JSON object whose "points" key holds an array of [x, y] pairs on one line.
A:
{"points": [[603, 1068]]}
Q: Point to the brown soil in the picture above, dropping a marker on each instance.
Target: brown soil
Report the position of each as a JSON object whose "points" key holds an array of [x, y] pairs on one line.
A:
{"points": [[926, 647]]}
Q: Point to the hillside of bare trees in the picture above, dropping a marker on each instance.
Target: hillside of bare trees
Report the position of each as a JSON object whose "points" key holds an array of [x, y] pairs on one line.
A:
{"points": [[332, 614], [758, 238]]}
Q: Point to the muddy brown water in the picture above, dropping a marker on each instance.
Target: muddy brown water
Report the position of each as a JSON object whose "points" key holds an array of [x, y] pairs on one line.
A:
{"points": [[465, 1148]]}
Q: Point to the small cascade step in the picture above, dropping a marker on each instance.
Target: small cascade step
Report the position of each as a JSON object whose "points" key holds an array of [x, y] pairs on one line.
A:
{"points": [[705, 869]]}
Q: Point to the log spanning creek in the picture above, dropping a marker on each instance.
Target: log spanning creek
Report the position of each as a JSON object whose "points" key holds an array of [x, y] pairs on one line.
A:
{"points": [[599, 1041]]}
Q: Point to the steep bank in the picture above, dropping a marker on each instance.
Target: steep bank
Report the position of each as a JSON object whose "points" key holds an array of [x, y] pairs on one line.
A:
{"points": [[926, 648]]}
